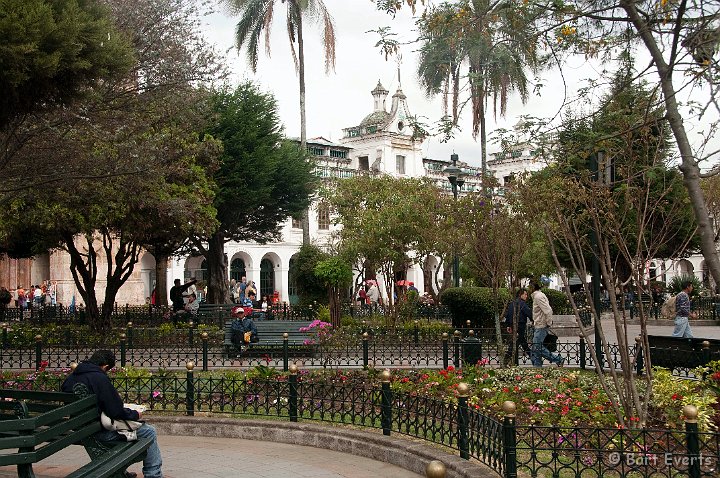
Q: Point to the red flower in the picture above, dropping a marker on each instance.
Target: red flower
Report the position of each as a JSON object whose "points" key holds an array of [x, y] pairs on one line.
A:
{"points": [[676, 396], [450, 368]]}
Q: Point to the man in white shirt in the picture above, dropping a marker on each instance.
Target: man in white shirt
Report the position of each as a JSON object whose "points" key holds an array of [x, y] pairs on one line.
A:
{"points": [[542, 320]]}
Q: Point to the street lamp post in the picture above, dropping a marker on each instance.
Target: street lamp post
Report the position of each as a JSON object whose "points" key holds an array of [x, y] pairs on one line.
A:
{"points": [[456, 176]]}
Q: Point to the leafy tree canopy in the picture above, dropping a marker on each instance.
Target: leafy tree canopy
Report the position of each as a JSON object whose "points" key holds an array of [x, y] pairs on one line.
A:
{"points": [[632, 134], [53, 50], [262, 178]]}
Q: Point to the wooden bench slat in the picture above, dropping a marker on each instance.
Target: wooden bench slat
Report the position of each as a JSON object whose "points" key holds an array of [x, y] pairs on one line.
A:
{"points": [[119, 457]]}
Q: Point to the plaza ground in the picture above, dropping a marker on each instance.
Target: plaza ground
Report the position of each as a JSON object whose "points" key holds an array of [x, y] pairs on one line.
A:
{"points": [[196, 457]]}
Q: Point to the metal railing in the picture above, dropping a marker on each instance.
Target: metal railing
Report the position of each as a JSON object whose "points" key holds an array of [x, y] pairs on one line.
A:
{"points": [[502, 445]]}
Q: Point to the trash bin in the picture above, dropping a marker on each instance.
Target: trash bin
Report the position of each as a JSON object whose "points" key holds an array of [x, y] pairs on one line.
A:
{"points": [[472, 350]]}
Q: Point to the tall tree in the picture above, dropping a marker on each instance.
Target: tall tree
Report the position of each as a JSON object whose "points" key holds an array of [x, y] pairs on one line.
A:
{"points": [[490, 39], [256, 18], [139, 130], [390, 223], [53, 53], [262, 178]]}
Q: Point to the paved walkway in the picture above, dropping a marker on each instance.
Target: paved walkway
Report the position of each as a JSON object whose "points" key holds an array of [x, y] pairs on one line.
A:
{"points": [[704, 331], [201, 457]]}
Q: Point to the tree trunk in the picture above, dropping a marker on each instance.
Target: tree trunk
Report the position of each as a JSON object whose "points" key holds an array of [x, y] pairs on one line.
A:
{"points": [[303, 123], [689, 168], [83, 267], [334, 296], [218, 286], [483, 140], [161, 291]]}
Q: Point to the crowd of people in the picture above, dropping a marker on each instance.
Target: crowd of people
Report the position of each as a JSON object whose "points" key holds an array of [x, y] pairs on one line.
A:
{"points": [[39, 295]]}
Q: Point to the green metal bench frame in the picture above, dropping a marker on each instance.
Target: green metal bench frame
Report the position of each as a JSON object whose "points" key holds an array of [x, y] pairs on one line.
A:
{"points": [[43, 423]]}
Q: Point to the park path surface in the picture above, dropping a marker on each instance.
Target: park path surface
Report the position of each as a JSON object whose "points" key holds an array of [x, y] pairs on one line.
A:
{"points": [[203, 457]]}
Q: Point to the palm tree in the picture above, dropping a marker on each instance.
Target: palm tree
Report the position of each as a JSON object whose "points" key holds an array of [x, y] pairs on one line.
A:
{"points": [[256, 17], [490, 39]]}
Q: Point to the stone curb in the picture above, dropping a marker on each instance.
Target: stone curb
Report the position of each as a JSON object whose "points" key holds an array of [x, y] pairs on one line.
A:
{"points": [[406, 454]]}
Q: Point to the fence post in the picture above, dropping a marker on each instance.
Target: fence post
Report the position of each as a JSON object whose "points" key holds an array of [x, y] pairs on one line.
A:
{"points": [[510, 439], [123, 355], [204, 336], [364, 327], [190, 389], [435, 469], [456, 351], [386, 402], [468, 324], [639, 359], [293, 398], [416, 333], [191, 333], [5, 335], [463, 420], [38, 351], [127, 312], [130, 334], [692, 439], [366, 349], [286, 358], [706, 352], [582, 353], [445, 351]]}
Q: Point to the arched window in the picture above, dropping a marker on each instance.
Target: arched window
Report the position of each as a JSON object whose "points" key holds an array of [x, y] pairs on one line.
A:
{"points": [[237, 269], [267, 278]]}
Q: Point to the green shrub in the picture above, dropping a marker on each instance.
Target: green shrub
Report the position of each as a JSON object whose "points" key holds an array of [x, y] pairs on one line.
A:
{"points": [[476, 304], [675, 284], [558, 300]]}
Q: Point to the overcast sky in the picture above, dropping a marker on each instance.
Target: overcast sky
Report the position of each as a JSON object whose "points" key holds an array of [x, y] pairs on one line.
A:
{"points": [[342, 99]]}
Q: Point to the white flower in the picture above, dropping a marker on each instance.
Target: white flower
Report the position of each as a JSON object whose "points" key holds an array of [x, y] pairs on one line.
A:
{"points": [[540, 402], [486, 390]]}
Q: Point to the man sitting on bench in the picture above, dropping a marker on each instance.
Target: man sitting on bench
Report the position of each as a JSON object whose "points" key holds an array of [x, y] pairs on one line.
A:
{"points": [[93, 374]]}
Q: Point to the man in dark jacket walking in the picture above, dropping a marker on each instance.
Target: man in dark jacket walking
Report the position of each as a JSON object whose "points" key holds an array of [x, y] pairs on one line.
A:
{"points": [[93, 374], [518, 308]]}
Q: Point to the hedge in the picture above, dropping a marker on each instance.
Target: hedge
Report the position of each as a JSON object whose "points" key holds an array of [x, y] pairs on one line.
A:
{"points": [[476, 304]]}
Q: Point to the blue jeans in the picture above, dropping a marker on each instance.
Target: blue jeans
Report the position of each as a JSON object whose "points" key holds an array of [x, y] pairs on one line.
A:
{"points": [[539, 351], [682, 328], [152, 464]]}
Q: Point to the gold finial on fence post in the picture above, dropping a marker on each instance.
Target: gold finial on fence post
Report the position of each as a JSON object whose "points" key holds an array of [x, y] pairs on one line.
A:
{"points": [[435, 469]]}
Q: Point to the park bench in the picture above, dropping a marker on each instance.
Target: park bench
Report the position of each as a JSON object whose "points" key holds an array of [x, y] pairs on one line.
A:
{"points": [[40, 424], [218, 313], [675, 352], [214, 313], [271, 334]]}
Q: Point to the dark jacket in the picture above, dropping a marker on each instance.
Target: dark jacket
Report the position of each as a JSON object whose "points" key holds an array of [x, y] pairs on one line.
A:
{"points": [[524, 313], [99, 383]]}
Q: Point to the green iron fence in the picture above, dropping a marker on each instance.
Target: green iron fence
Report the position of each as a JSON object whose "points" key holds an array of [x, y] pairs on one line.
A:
{"points": [[503, 445]]}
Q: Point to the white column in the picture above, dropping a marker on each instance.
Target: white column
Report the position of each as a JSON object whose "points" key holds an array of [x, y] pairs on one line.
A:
{"points": [[284, 284]]}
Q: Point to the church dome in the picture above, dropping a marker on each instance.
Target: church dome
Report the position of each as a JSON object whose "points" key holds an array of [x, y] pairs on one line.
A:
{"points": [[375, 118]]}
